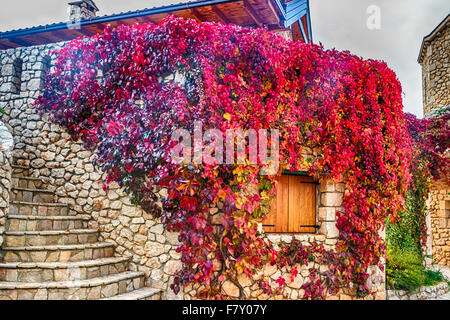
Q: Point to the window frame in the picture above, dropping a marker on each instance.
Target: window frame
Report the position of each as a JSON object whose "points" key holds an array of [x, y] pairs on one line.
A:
{"points": [[316, 208]]}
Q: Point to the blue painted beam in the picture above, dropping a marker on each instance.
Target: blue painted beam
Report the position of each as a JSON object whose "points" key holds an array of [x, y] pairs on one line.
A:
{"points": [[290, 4], [280, 6], [294, 18], [294, 11], [293, 4], [308, 22], [296, 6], [302, 29]]}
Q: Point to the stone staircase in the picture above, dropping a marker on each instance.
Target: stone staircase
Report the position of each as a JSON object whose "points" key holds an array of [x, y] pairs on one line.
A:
{"points": [[49, 254]]}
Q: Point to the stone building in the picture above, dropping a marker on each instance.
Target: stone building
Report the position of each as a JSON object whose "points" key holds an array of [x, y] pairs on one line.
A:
{"points": [[62, 235], [435, 61]]}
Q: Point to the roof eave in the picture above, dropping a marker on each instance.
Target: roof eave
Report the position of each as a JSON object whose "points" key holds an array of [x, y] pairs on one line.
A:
{"points": [[427, 39], [110, 18], [285, 13]]}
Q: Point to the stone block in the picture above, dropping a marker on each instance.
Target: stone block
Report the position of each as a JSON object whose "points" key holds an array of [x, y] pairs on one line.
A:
{"points": [[153, 249], [327, 214], [171, 267], [230, 289], [331, 199], [329, 229], [327, 186]]}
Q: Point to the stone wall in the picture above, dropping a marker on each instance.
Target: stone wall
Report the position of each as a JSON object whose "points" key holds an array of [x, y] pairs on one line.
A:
{"points": [[6, 145], [5, 185], [438, 205], [67, 168], [435, 61], [423, 293], [435, 71]]}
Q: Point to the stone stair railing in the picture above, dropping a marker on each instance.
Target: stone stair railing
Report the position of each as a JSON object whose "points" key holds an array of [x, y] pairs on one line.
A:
{"points": [[5, 185], [6, 145]]}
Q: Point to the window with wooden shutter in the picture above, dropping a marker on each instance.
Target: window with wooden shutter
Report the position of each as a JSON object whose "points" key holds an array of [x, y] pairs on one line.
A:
{"points": [[294, 208]]}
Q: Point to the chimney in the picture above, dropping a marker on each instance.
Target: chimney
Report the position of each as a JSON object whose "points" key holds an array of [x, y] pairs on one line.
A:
{"points": [[82, 10]]}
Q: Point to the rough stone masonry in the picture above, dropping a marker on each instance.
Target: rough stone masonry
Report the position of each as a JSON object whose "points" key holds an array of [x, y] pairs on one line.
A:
{"points": [[435, 61]]}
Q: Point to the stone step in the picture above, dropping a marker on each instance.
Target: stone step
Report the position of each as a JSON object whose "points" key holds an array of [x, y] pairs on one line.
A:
{"points": [[42, 223], [19, 170], [38, 209], [59, 253], [31, 195], [140, 294], [50, 237], [90, 289], [27, 182], [62, 271]]}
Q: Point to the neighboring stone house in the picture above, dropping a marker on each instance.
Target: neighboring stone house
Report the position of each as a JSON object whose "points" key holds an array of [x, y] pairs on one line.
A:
{"points": [[435, 61], [63, 236]]}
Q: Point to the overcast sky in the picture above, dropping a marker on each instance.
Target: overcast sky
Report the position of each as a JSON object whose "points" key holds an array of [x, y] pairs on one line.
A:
{"points": [[336, 24]]}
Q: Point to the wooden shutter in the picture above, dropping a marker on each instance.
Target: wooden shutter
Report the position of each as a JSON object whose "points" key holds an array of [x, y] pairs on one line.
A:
{"points": [[277, 219], [302, 204], [293, 207]]}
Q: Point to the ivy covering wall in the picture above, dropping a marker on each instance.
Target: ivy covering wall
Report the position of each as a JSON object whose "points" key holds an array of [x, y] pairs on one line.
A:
{"points": [[107, 90]]}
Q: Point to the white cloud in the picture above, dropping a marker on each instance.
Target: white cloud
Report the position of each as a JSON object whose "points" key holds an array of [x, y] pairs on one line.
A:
{"points": [[404, 23]]}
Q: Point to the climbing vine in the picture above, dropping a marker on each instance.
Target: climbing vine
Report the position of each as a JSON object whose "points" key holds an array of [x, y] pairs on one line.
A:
{"points": [[108, 90], [431, 141], [406, 238]]}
